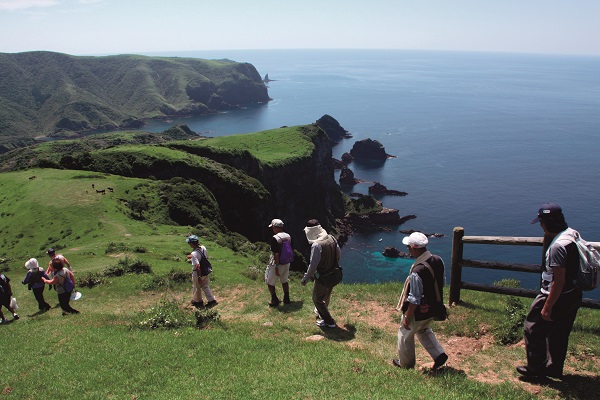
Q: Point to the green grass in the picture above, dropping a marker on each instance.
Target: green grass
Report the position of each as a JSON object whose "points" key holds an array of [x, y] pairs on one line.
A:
{"points": [[271, 147], [250, 351]]}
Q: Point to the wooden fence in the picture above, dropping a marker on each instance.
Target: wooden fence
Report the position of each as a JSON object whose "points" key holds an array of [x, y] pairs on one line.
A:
{"points": [[458, 262]]}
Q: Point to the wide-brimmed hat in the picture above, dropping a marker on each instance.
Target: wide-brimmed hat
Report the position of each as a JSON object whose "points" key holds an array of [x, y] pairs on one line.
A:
{"points": [[32, 263], [314, 231]]}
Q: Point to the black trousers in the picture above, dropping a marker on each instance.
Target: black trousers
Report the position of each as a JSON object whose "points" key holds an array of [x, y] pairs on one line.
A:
{"points": [[546, 342], [321, 297], [64, 299], [39, 296]]}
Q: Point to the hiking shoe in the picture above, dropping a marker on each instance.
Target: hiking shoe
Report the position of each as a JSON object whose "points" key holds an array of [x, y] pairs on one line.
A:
{"points": [[529, 373], [396, 363], [274, 302], [15, 316], [211, 304], [439, 361], [324, 324]]}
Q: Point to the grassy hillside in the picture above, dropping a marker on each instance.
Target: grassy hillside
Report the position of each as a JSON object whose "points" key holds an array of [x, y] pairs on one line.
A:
{"points": [[45, 94], [245, 349]]}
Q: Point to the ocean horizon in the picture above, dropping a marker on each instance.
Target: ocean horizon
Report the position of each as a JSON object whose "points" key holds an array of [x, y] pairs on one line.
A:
{"points": [[480, 141]]}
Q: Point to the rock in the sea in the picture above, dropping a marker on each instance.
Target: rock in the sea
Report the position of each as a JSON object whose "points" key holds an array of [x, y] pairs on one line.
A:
{"points": [[378, 188], [368, 149], [347, 158], [347, 177], [393, 252], [387, 216], [332, 128]]}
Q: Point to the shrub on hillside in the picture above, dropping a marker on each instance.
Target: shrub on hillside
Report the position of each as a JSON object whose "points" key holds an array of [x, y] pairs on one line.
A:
{"points": [[510, 330], [128, 266], [166, 315], [91, 280]]}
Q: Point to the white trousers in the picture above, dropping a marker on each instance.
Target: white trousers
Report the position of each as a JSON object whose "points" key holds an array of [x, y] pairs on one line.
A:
{"points": [[406, 341], [199, 287]]}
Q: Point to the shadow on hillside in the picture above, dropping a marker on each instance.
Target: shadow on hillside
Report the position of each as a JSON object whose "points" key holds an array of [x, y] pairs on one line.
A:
{"points": [[572, 386], [292, 307], [340, 334], [445, 370]]}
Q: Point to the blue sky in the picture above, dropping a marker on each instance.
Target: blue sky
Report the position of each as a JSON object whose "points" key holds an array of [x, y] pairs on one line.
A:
{"points": [[134, 26]]}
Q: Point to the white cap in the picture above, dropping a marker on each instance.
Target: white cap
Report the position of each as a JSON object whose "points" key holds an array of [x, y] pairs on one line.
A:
{"points": [[276, 223], [416, 240]]}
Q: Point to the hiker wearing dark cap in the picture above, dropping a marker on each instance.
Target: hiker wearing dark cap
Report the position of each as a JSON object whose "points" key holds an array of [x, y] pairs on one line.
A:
{"points": [[552, 313], [324, 257], [53, 256], [200, 282]]}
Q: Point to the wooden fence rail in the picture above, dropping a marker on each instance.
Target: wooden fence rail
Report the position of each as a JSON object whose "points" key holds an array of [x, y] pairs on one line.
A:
{"points": [[458, 262]]}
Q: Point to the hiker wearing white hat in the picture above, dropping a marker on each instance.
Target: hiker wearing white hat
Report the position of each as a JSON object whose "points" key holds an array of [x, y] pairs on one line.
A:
{"points": [[278, 269], [420, 303], [34, 282], [324, 258]]}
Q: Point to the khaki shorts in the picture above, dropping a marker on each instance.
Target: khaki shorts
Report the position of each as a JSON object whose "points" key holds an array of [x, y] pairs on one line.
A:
{"points": [[271, 277]]}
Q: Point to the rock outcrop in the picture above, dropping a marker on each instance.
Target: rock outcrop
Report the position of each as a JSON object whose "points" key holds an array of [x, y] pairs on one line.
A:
{"points": [[347, 177], [378, 188], [368, 149], [393, 252], [332, 128]]}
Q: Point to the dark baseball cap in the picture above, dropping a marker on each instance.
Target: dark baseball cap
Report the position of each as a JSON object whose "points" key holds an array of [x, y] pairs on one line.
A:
{"points": [[547, 210]]}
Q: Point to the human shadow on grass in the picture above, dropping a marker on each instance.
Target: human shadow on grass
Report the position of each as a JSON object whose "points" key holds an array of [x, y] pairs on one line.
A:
{"points": [[571, 386], [290, 308], [340, 333], [35, 314], [445, 370]]}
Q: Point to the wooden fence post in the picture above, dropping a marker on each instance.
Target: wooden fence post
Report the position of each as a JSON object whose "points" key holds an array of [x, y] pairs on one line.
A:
{"points": [[456, 272]]}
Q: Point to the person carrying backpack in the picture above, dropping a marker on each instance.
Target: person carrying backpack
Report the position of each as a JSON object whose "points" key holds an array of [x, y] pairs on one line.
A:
{"points": [[278, 270], [6, 297], [64, 284], [324, 258], [552, 313], [34, 282], [200, 274]]}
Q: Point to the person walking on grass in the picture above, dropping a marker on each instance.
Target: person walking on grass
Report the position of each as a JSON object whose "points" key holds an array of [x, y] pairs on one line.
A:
{"points": [[34, 282], [278, 271], [64, 284], [552, 313], [6, 297], [200, 280], [324, 257], [418, 304]]}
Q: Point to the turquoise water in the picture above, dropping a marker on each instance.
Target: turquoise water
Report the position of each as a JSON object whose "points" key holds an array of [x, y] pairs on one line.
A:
{"points": [[480, 139]]}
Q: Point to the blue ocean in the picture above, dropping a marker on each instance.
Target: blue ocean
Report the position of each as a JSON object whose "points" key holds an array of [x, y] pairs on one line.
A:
{"points": [[480, 141]]}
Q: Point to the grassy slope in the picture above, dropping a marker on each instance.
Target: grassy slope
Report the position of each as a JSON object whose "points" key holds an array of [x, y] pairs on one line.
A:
{"points": [[254, 352]]}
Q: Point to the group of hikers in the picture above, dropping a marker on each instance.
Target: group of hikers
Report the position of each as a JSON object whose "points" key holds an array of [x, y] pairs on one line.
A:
{"points": [[58, 275], [547, 325]]}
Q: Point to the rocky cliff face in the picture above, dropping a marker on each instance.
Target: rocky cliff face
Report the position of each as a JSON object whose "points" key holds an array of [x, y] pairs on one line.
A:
{"points": [[299, 191]]}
